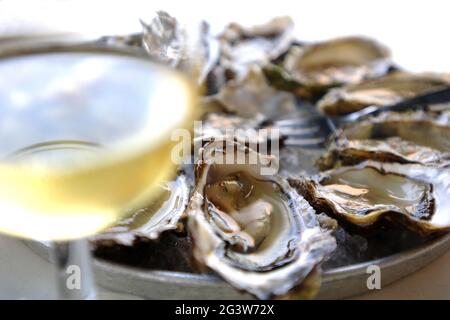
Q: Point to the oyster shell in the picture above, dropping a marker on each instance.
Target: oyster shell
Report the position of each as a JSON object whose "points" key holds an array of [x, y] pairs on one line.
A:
{"points": [[243, 46], [164, 39], [409, 137], [311, 69], [440, 107], [252, 229], [413, 195], [189, 47], [251, 96], [386, 90], [149, 222], [243, 130]]}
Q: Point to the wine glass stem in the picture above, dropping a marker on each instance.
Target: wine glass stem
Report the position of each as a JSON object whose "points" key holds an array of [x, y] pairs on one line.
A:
{"points": [[75, 279]]}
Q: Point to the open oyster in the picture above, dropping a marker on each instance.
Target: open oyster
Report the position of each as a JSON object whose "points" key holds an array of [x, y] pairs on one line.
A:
{"points": [[147, 223], [311, 69], [242, 46], [408, 137], [386, 90], [250, 96], [409, 194], [253, 229]]}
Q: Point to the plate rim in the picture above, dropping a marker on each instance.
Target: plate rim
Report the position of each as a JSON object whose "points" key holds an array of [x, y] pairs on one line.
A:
{"points": [[417, 257], [142, 282]]}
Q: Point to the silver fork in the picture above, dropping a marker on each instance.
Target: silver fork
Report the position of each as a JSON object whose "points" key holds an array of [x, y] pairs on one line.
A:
{"points": [[305, 129]]}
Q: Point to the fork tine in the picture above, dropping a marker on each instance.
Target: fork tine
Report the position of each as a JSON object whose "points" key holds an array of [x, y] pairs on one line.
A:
{"points": [[306, 132], [304, 143], [296, 122], [299, 132]]}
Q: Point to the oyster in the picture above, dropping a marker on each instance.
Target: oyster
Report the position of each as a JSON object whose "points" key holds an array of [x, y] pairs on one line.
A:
{"points": [[413, 195], [311, 69], [164, 39], [243, 46], [149, 222], [386, 90], [440, 107], [250, 96], [189, 47], [253, 229], [409, 137]]}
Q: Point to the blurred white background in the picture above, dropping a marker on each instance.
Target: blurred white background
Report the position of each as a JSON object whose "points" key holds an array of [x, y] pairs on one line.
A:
{"points": [[415, 30]]}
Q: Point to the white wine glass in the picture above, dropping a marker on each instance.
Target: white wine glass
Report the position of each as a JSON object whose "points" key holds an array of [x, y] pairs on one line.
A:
{"points": [[85, 132]]}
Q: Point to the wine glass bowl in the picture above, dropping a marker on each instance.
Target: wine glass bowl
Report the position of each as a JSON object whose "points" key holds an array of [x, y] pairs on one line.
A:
{"points": [[85, 132]]}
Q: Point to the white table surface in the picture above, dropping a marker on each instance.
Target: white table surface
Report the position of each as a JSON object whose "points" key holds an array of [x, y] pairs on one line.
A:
{"points": [[416, 31]]}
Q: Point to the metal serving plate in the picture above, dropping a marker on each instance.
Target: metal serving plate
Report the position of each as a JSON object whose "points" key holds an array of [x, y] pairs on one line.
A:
{"points": [[337, 283]]}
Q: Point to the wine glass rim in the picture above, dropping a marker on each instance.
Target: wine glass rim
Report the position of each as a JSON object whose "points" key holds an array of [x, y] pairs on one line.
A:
{"points": [[17, 49]]}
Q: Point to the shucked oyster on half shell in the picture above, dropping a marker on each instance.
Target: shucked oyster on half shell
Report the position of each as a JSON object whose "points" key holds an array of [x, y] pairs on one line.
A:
{"points": [[408, 137], [311, 69], [147, 223], [386, 90], [253, 229], [250, 96], [412, 195], [242, 46]]}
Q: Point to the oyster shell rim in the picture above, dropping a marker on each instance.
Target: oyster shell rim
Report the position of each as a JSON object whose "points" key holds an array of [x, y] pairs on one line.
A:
{"points": [[344, 149], [149, 231], [349, 99], [316, 242], [321, 82], [306, 187]]}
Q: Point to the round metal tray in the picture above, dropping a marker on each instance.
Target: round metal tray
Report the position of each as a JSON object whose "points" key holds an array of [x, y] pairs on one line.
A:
{"points": [[337, 283]]}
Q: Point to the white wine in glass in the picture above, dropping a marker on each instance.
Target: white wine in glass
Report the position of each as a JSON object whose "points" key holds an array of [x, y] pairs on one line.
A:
{"points": [[85, 133]]}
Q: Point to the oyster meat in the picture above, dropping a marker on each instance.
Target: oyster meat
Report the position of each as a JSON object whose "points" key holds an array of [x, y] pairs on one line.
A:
{"points": [[386, 90], [250, 96], [253, 229], [311, 69], [147, 223], [408, 137], [412, 195]]}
